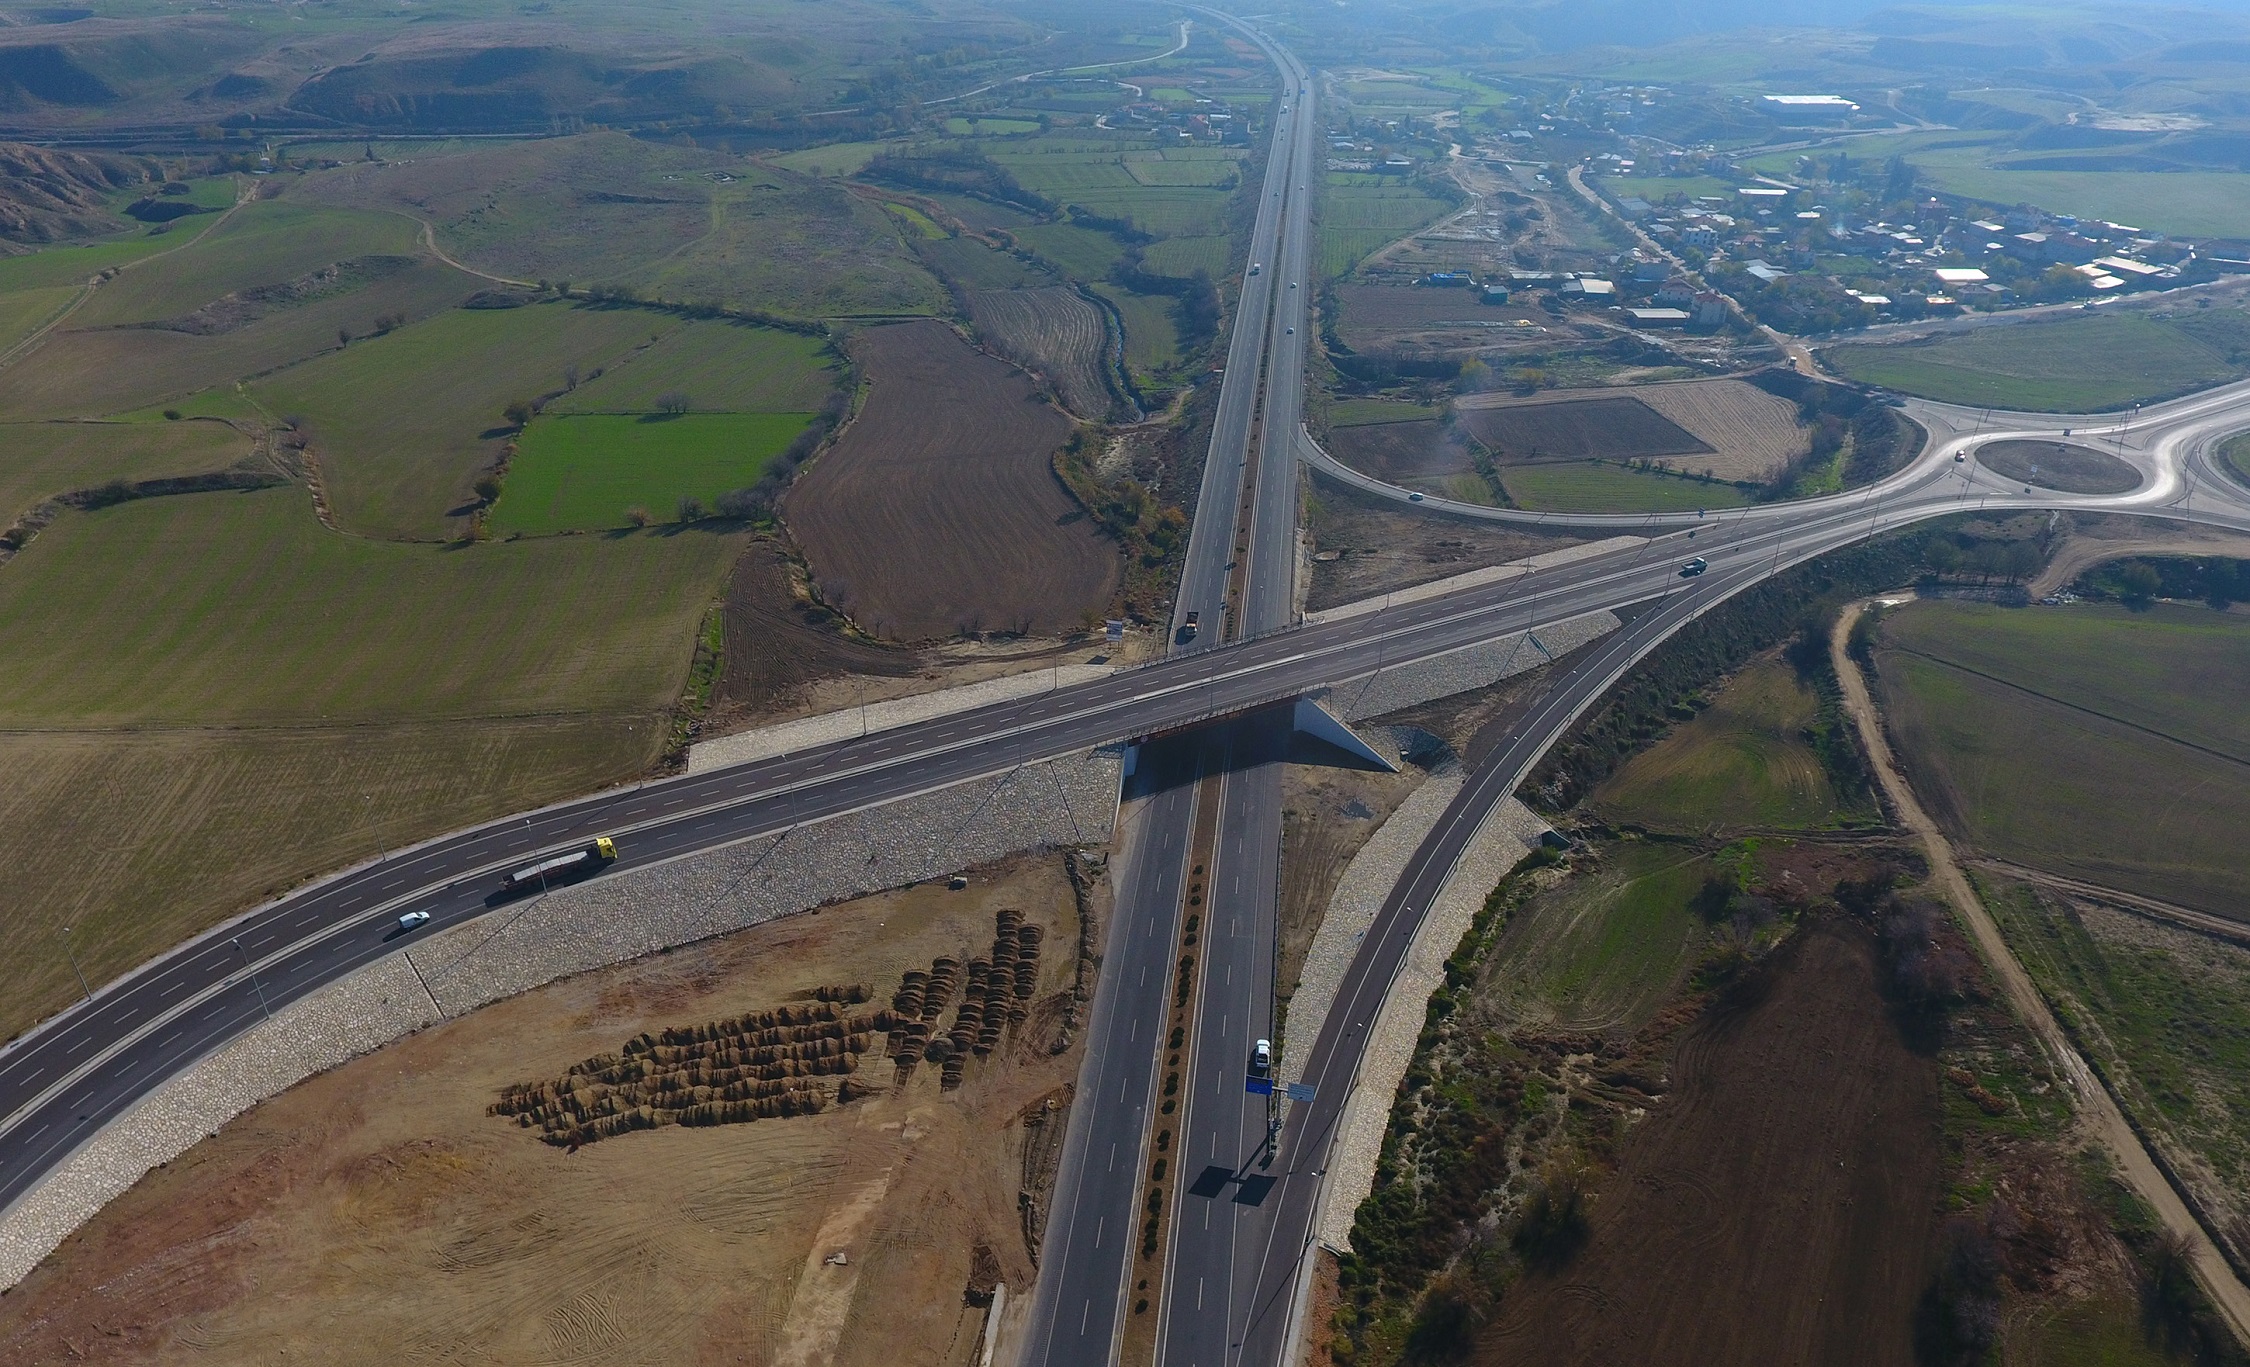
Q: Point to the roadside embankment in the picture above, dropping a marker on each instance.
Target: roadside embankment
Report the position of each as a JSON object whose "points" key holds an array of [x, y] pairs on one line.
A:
{"points": [[1066, 801]]}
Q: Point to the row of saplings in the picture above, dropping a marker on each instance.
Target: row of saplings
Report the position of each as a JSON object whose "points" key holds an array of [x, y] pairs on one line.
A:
{"points": [[780, 1062]]}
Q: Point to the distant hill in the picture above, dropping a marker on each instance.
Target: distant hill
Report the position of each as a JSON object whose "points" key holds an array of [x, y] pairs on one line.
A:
{"points": [[47, 195]]}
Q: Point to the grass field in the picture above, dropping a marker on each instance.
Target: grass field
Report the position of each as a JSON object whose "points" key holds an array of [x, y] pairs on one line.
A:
{"points": [[2091, 742], [265, 243], [584, 472], [206, 698], [720, 367], [2167, 1014], [47, 458], [1187, 255], [1360, 213], [2077, 364], [1081, 252], [1587, 487], [1602, 952], [402, 425], [73, 265], [2234, 453], [1152, 341], [23, 310], [1373, 412], [1745, 762]]}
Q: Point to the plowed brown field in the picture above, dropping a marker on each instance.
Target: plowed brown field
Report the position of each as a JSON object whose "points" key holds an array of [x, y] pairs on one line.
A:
{"points": [[938, 510], [1777, 1207], [1053, 332]]}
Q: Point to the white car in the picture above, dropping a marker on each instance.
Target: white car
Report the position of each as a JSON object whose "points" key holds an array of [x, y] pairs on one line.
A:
{"points": [[1261, 1059], [412, 919]]}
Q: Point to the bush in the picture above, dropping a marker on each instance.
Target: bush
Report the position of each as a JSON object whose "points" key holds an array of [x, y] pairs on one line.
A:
{"points": [[639, 517], [171, 415], [692, 509], [674, 402], [518, 413]]}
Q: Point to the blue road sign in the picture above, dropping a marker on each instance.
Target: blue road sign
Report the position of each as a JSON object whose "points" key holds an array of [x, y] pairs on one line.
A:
{"points": [[1259, 1086], [1301, 1091]]}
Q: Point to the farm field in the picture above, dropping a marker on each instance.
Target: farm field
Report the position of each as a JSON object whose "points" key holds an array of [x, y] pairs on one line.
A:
{"points": [[1054, 333], [1777, 1206], [265, 242], [719, 367], [2091, 742], [1360, 214], [48, 458], [1366, 412], [167, 665], [1729, 429], [938, 510], [587, 472], [1402, 451], [2077, 364], [1745, 762], [1617, 427], [1152, 340], [245, 314], [2060, 465], [325, 1216], [682, 223], [402, 428], [1596, 487]]}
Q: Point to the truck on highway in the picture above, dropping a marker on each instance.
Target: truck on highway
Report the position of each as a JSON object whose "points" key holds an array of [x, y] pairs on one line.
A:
{"points": [[563, 867], [1187, 628]]}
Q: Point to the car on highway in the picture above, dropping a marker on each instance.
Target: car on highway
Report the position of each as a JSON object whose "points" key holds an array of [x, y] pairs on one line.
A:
{"points": [[1261, 1059], [1694, 567], [1256, 266], [1414, 498], [412, 919]]}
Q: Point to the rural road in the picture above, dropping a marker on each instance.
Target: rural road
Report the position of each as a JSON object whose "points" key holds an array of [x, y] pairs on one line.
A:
{"points": [[2098, 1111]]}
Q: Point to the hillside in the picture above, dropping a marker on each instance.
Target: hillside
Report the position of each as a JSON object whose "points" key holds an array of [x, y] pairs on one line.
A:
{"points": [[47, 195]]}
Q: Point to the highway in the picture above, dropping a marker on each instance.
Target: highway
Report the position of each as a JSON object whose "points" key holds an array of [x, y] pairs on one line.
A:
{"points": [[1234, 1258]]}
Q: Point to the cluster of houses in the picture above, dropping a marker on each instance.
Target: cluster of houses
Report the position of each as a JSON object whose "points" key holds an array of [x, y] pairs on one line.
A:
{"points": [[1671, 299]]}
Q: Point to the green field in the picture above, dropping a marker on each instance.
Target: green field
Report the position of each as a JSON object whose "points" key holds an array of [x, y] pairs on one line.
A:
{"points": [[1361, 213], [24, 310], [2078, 364], [269, 242], [832, 159], [720, 367], [73, 265], [2090, 741], [2235, 455], [1603, 951], [1187, 255], [1585, 487], [1373, 412], [1152, 342], [204, 699], [39, 460], [970, 263], [1080, 252], [1745, 762], [403, 426], [586, 472]]}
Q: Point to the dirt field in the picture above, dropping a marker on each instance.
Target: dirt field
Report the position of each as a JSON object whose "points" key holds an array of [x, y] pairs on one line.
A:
{"points": [[777, 646], [1776, 1207], [2063, 465], [1732, 429], [379, 1214], [1054, 333], [1615, 427], [1375, 549], [1397, 451], [938, 510], [1422, 318]]}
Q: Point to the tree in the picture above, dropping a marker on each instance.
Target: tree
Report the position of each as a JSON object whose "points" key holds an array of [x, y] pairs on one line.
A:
{"points": [[488, 488], [2139, 581], [692, 509], [638, 516], [518, 413], [343, 336], [674, 402]]}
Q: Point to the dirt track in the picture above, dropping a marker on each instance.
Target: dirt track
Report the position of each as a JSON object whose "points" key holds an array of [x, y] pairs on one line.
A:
{"points": [[2098, 1110], [2081, 553], [1778, 1206], [938, 511]]}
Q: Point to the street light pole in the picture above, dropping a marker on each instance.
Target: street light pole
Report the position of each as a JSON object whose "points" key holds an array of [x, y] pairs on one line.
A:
{"points": [[258, 987], [72, 955]]}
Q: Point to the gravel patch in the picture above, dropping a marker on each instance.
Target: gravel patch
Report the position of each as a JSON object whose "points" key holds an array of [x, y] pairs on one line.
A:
{"points": [[807, 732], [1067, 801], [1508, 834]]}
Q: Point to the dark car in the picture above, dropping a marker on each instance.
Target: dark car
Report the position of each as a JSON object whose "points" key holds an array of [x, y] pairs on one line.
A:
{"points": [[1694, 567]]}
